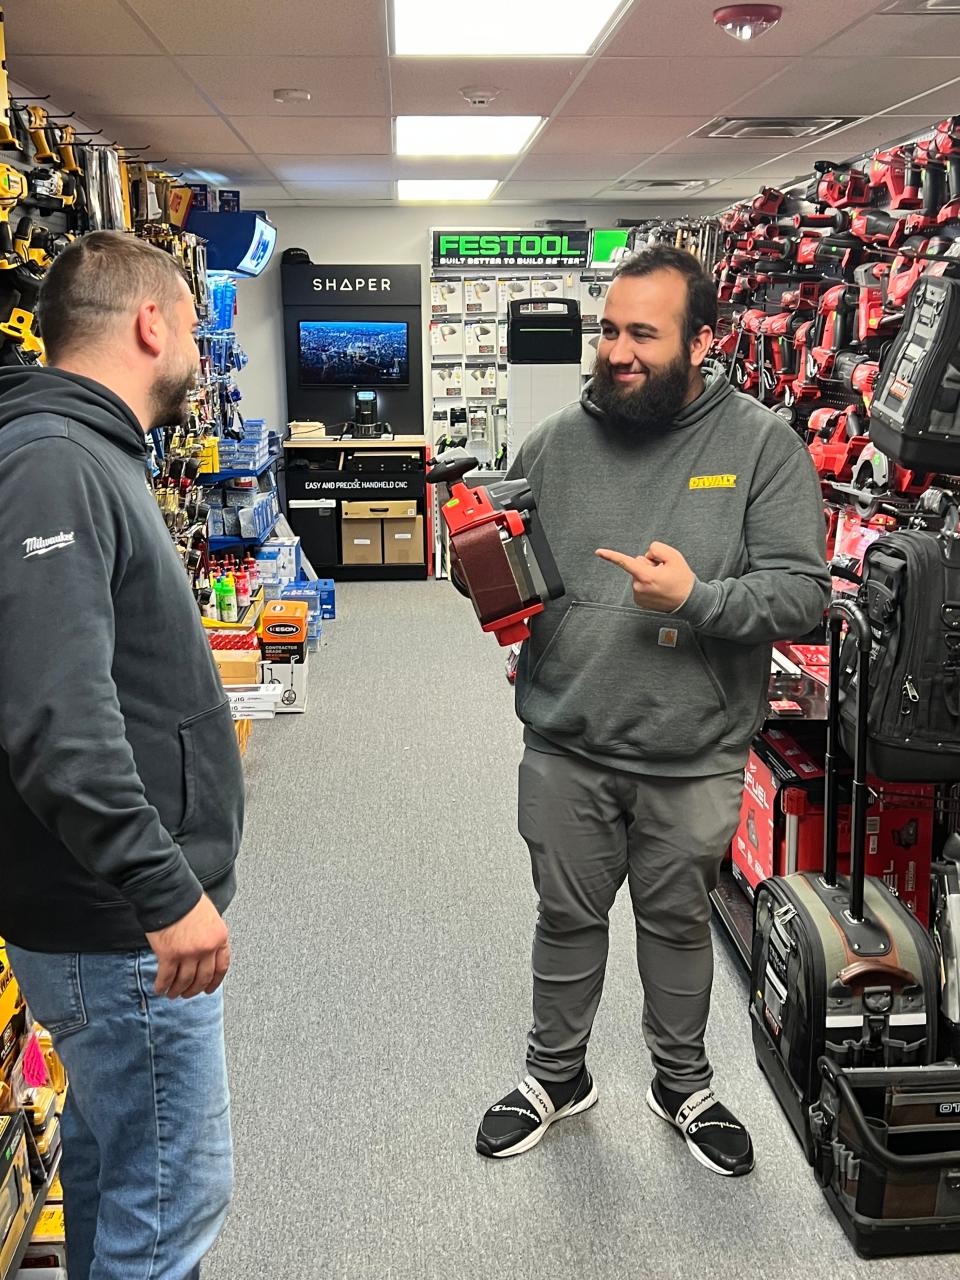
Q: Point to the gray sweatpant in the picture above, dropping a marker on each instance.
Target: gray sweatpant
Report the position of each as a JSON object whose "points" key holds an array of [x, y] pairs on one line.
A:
{"points": [[589, 828]]}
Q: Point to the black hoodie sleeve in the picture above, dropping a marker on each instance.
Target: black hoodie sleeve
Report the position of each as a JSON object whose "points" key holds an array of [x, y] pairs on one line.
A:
{"points": [[64, 547]]}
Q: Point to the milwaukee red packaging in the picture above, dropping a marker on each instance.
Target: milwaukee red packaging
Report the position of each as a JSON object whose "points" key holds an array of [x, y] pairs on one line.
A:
{"points": [[781, 824]]}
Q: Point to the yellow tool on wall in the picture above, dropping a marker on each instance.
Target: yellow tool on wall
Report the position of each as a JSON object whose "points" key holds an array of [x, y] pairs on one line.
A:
{"points": [[37, 126], [13, 187], [65, 145]]}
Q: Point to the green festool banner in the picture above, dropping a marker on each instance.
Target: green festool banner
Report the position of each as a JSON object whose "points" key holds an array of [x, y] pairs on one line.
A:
{"points": [[482, 248]]}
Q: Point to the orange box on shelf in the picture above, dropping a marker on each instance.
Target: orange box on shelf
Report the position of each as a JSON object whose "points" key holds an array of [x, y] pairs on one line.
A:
{"points": [[283, 630]]}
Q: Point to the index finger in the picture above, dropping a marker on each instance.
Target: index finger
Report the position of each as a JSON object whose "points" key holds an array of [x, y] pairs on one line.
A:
{"points": [[629, 564]]}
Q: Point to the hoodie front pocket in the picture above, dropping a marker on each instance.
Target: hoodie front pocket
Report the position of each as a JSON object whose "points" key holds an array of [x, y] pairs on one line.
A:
{"points": [[624, 681], [213, 783]]}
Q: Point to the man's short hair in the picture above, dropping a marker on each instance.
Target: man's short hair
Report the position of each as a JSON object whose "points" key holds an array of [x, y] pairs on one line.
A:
{"points": [[95, 281], [701, 291]]}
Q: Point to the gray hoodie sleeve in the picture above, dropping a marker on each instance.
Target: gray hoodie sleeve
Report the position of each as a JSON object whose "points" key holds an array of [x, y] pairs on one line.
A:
{"points": [[61, 723], [786, 585]]}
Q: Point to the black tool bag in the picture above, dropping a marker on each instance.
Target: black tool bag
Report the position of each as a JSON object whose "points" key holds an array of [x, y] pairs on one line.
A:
{"points": [[911, 596], [915, 412], [945, 924], [887, 1155], [838, 967]]}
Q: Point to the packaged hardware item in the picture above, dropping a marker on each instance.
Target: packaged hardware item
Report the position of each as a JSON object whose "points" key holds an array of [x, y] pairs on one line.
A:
{"points": [[284, 630], [446, 298], [480, 296]]}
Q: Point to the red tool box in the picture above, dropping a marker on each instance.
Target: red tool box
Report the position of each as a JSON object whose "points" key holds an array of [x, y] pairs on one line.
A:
{"points": [[781, 823]]}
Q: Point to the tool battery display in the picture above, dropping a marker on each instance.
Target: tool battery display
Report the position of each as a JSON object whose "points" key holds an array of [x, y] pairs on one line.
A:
{"points": [[499, 554]]}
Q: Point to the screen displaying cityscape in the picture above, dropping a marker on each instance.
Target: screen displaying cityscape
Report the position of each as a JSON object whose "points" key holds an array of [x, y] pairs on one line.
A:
{"points": [[349, 353]]}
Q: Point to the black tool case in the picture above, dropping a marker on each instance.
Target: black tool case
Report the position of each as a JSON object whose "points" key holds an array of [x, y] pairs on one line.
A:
{"points": [[839, 967]]}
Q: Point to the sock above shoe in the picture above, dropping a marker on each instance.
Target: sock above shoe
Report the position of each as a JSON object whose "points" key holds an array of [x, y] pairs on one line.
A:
{"points": [[714, 1135]]}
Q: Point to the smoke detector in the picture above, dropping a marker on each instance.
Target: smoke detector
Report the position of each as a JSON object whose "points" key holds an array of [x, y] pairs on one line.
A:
{"points": [[291, 95], [478, 97], [747, 21]]}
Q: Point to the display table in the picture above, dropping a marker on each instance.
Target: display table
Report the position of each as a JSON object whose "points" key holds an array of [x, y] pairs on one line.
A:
{"points": [[361, 507]]}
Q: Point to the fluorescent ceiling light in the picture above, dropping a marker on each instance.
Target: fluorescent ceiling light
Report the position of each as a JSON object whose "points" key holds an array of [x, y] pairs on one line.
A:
{"points": [[500, 28], [445, 189], [464, 135]]}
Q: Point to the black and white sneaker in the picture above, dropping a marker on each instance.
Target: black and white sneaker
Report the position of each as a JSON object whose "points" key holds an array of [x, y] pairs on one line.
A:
{"points": [[518, 1122], [715, 1137]]}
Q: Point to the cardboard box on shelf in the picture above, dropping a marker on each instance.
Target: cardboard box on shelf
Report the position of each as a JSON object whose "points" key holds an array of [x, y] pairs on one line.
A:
{"points": [[480, 296], [446, 298], [238, 666], [480, 338], [291, 677], [49, 1236], [386, 509], [362, 541], [446, 338], [403, 541], [447, 381], [283, 629]]}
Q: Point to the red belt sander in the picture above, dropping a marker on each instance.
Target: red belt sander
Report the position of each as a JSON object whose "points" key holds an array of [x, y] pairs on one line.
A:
{"points": [[499, 554]]}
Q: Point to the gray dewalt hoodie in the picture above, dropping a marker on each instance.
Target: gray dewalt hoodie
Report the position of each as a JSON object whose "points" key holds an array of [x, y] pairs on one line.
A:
{"points": [[732, 488]]}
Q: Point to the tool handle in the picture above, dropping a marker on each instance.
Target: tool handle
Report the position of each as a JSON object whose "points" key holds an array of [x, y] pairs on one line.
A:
{"points": [[840, 612], [889, 1159], [6, 236], [866, 968], [447, 472]]}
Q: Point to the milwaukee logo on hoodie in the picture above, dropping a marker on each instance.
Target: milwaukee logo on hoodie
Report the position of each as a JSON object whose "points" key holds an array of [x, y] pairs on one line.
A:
{"points": [[40, 546]]}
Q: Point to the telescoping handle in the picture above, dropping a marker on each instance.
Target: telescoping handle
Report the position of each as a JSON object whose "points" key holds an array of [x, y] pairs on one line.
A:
{"points": [[856, 619], [889, 1159], [534, 306]]}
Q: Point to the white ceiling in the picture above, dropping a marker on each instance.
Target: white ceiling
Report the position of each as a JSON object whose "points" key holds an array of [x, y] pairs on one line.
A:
{"points": [[195, 79]]}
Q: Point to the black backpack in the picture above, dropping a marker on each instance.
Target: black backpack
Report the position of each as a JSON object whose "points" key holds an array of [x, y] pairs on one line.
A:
{"points": [[911, 595]]}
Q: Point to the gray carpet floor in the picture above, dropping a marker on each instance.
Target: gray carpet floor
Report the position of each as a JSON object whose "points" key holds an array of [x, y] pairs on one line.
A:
{"points": [[380, 996]]}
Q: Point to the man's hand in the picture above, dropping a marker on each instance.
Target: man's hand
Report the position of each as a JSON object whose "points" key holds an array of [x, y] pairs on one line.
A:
{"points": [[662, 579], [194, 953]]}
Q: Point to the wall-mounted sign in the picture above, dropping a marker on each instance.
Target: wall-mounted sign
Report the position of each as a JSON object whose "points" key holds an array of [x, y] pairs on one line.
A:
{"points": [[307, 285], [482, 248]]}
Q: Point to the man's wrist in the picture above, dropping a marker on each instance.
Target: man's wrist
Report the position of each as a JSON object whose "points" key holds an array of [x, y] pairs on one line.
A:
{"points": [[700, 604]]}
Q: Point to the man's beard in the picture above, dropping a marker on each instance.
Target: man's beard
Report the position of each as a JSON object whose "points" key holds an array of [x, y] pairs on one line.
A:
{"points": [[652, 406], [171, 406]]}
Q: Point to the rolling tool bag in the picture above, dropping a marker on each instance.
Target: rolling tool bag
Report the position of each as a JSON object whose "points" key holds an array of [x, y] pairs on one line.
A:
{"points": [[839, 967], [887, 1155], [499, 554], [915, 413]]}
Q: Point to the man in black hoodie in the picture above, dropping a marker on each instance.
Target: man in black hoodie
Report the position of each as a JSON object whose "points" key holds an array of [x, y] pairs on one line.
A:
{"points": [[120, 779]]}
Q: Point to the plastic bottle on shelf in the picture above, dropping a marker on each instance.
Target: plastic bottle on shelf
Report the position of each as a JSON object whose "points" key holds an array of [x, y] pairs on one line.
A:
{"points": [[227, 599], [242, 580]]}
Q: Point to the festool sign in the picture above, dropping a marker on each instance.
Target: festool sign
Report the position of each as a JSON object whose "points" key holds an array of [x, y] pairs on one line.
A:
{"points": [[510, 248]]}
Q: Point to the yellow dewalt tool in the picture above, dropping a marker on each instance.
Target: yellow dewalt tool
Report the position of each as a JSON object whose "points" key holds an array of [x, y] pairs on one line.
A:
{"points": [[13, 188], [65, 145], [37, 122]]}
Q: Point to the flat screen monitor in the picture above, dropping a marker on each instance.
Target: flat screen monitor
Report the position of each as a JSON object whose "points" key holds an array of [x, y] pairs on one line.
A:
{"points": [[354, 353]]}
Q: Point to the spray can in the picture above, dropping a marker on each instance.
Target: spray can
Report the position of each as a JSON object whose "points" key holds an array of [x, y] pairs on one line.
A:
{"points": [[242, 580]]}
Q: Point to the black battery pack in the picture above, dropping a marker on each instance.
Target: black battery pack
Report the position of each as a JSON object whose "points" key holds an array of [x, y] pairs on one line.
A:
{"points": [[915, 414]]}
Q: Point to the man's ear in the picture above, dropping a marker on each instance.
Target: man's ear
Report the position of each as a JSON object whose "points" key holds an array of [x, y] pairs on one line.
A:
{"points": [[700, 346], [150, 328]]}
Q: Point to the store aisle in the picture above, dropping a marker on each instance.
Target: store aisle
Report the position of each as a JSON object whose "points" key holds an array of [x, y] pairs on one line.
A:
{"points": [[380, 996]]}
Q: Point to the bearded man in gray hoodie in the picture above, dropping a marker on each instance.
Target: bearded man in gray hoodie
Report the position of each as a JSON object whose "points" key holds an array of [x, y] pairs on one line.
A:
{"points": [[687, 524]]}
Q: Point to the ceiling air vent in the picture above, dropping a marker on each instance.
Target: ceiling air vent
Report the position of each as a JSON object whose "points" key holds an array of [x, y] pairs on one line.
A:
{"points": [[665, 185], [772, 126], [920, 9]]}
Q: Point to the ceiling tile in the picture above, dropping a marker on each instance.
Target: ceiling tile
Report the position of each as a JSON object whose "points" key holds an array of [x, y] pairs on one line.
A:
{"points": [[339, 86], [653, 26], [224, 167], [613, 135], [848, 86], [881, 35], [546, 191], [342, 192], [715, 163], [316, 135], [590, 164], [748, 150], [173, 136], [431, 86], [374, 168], [859, 139], [233, 26], [941, 102], [641, 86], [71, 28], [113, 86], [254, 195]]}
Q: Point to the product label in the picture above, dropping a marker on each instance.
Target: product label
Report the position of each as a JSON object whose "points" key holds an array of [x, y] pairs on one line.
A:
{"points": [[510, 248], [713, 482]]}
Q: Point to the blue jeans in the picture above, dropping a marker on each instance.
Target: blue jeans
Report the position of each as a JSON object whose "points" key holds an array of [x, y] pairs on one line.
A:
{"points": [[147, 1166]]}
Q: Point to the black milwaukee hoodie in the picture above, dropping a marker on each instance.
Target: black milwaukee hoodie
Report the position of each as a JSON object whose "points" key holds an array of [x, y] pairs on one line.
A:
{"points": [[121, 790]]}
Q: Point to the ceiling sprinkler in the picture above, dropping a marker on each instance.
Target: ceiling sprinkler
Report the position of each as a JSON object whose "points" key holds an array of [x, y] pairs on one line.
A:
{"points": [[747, 21]]}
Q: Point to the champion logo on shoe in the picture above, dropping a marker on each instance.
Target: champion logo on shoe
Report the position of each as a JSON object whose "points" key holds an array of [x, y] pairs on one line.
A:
{"points": [[518, 1111], [534, 1093], [714, 1124], [694, 1107]]}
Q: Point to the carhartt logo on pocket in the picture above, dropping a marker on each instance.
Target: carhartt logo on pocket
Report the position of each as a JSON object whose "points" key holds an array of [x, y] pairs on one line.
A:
{"points": [[668, 637], [713, 482]]}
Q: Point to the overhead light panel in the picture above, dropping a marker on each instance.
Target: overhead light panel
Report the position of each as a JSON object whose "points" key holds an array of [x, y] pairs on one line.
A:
{"points": [[464, 135], [921, 9], [291, 95], [442, 190], [500, 28]]}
